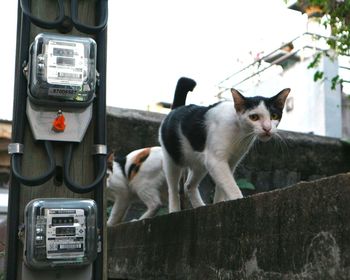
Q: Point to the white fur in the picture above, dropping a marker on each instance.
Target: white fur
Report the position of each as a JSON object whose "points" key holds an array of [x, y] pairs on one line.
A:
{"points": [[149, 186], [229, 137]]}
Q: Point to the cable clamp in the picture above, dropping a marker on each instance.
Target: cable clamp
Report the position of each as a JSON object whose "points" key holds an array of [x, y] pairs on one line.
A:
{"points": [[99, 149], [15, 148]]}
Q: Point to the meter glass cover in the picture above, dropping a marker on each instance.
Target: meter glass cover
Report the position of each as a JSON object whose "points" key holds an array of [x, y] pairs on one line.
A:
{"points": [[62, 68], [60, 232]]}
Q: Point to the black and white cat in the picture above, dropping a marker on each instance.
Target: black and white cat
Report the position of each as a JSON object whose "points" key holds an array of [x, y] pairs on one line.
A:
{"points": [[213, 140], [139, 175]]}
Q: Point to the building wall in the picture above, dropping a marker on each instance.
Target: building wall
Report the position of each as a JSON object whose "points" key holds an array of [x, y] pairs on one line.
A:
{"points": [[346, 116]]}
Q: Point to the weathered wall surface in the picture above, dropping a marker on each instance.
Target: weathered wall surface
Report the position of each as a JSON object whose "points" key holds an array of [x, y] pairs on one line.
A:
{"points": [[300, 232], [292, 158]]}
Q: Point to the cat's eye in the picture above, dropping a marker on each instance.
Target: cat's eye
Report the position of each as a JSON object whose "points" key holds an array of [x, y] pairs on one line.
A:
{"points": [[275, 117], [254, 117]]}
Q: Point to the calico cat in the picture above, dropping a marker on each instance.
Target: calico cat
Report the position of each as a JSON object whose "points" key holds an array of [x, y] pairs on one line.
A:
{"points": [[213, 140], [139, 175]]}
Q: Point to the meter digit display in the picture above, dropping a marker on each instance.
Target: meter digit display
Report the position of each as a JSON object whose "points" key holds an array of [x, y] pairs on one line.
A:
{"points": [[65, 61], [63, 52], [65, 231], [62, 221]]}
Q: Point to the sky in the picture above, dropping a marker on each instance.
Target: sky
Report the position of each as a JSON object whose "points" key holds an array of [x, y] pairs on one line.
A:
{"points": [[151, 44]]}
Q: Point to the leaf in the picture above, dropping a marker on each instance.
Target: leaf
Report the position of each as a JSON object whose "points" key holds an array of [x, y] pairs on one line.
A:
{"points": [[335, 81], [318, 76], [244, 184], [162, 211], [315, 61]]}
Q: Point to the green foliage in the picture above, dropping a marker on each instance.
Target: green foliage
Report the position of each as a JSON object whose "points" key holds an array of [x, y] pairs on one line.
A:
{"points": [[244, 184], [336, 80], [337, 17], [161, 211], [318, 75], [109, 209], [316, 61]]}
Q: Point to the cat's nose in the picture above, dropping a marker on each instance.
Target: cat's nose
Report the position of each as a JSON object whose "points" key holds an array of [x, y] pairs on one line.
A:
{"points": [[266, 126]]}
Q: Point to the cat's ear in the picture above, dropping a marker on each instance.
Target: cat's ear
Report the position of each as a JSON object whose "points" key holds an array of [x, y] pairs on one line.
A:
{"points": [[280, 98], [110, 157], [238, 99]]}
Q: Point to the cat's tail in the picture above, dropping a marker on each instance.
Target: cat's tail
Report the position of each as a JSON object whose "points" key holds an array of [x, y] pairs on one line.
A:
{"points": [[184, 85]]}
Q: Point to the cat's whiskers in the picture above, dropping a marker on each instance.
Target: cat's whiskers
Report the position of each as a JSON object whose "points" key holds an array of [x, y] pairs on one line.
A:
{"points": [[247, 139], [281, 142], [255, 145]]}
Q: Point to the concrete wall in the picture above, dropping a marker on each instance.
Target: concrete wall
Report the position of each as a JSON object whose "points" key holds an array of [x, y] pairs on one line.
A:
{"points": [[300, 232]]}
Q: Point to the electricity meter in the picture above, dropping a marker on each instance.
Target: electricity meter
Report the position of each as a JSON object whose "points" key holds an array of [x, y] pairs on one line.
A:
{"points": [[60, 232], [62, 68], [61, 84]]}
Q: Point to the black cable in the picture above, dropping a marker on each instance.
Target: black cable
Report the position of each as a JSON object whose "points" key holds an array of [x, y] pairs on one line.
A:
{"points": [[100, 162], [100, 137], [102, 11], [39, 180], [43, 23], [18, 123], [61, 19]]}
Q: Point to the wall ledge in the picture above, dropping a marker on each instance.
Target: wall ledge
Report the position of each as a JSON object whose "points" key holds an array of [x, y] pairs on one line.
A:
{"points": [[299, 232]]}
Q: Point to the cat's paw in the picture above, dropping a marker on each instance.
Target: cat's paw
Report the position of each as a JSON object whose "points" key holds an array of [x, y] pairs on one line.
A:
{"points": [[111, 224], [238, 196]]}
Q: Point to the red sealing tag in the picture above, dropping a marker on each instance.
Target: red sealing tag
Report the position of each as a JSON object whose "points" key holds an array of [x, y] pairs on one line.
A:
{"points": [[59, 125]]}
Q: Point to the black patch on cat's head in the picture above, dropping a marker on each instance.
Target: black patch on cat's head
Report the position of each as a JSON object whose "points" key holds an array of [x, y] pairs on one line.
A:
{"points": [[110, 160], [112, 157], [274, 104], [280, 98], [121, 161], [243, 103]]}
